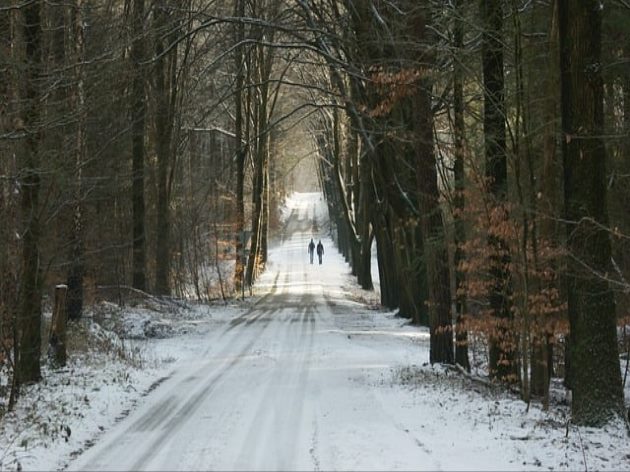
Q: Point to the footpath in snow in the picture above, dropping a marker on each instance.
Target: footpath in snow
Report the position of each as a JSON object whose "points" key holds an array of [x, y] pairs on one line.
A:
{"points": [[306, 375]]}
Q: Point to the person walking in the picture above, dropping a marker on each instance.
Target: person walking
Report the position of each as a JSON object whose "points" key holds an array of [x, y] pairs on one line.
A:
{"points": [[311, 249], [320, 251]]}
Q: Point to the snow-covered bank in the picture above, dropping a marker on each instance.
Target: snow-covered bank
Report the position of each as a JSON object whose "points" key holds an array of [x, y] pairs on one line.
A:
{"points": [[117, 356]]}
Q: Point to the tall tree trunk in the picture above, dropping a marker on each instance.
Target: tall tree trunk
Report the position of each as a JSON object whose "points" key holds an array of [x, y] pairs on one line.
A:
{"points": [[349, 243], [409, 260], [258, 187], [434, 237], [399, 190], [461, 334], [138, 119], [263, 64], [9, 207], [74, 281], [164, 90], [542, 353], [30, 311], [502, 345], [257, 200], [595, 372], [366, 206], [264, 236], [385, 257], [241, 150]]}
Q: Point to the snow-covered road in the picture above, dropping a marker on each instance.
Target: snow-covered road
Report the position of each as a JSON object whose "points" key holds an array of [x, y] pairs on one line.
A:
{"points": [[308, 378], [278, 387]]}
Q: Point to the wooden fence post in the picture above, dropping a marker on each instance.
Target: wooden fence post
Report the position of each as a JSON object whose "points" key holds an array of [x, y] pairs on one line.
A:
{"points": [[57, 338]]}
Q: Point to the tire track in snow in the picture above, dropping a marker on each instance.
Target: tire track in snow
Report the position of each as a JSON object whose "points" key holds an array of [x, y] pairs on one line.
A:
{"points": [[263, 424], [278, 417], [261, 430], [297, 406], [245, 317], [289, 419], [166, 415], [435, 463], [177, 420]]}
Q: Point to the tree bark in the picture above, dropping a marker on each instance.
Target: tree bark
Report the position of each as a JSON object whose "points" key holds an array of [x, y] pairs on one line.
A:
{"points": [[542, 351], [165, 91], [264, 243], [138, 119], [57, 337], [595, 371], [385, 256], [365, 202], [434, 238], [241, 150], [9, 267], [74, 281], [502, 344], [260, 153], [262, 65], [30, 314], [461, 334]]}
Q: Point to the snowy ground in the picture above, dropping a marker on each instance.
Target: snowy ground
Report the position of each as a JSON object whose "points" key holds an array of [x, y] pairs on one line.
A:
{"points": [[305, 375]]}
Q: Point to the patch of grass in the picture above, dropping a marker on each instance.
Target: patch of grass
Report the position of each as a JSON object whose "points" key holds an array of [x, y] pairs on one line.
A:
{"points": [[87, 337]]}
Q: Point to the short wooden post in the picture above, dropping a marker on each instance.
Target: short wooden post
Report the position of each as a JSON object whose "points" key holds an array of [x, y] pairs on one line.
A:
{"points": [[57, 338]]}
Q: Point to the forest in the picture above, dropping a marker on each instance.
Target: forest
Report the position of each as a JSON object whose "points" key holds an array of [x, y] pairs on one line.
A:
{"points": [[483, 148]]}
